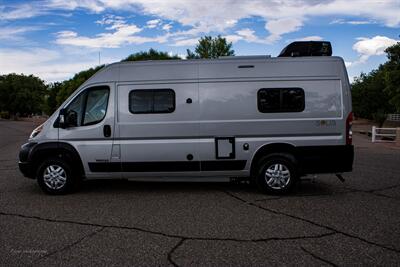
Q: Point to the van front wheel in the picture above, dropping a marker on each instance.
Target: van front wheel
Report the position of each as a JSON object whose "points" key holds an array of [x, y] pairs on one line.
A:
{"points": [[55, 177], [277, 173]]}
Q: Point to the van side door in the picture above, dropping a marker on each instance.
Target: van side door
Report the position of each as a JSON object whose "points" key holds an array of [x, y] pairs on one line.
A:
{"points": [[158, 129], [89, 118]]}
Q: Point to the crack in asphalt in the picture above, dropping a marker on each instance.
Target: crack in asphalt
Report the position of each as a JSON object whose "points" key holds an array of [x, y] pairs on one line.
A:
{"points": [[350, 190], [169, 256], [374, 191], [169, 235], [384, 188], [310, 221], [182, 240], [318, 257], [67, 247]]}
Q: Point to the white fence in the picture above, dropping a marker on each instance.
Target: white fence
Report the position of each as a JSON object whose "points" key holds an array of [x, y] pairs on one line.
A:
{"points": [[393, 117], [389, 133]]}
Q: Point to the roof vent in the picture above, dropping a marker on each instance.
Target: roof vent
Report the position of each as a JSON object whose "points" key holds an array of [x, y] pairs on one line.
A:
{"points": [[307, 49]]}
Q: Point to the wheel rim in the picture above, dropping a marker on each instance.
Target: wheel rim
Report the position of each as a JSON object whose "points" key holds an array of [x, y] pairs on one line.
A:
{"points": [[54, 177], [277, 176]]}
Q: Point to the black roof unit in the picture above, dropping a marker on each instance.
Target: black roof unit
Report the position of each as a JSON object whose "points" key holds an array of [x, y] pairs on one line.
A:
{"points": [[307, 49]]}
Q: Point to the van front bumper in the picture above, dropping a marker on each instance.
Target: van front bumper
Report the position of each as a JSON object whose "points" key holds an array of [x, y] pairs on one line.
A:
{"points": [[26, 169], [25, 163]]}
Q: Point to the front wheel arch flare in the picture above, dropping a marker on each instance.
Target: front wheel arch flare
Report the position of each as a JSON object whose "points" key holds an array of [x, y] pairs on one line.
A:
{"points": [[60, 150]]}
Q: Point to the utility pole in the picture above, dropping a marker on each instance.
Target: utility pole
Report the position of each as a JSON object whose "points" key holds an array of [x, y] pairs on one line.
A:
{"points": [[99, 58]]}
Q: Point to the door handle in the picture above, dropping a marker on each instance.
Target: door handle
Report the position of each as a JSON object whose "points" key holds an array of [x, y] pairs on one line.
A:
{"points": [[107, 130]]}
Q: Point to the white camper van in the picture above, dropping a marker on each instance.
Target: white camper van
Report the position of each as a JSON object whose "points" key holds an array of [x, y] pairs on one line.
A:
{"points": [[270, 120]]}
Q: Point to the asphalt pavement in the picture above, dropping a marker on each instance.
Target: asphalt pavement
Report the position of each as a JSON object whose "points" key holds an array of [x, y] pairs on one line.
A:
{"points": [[124, 223]]}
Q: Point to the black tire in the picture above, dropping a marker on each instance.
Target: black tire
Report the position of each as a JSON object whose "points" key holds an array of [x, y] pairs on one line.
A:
{"points": [[276, 173], [63, 181]]}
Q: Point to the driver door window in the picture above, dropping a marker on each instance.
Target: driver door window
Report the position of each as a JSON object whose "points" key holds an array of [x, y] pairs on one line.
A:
{"points": [[89, 108]]}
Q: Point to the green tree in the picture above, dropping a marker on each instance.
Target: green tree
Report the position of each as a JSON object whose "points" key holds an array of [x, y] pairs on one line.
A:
{"points": [[50, 100], [21, 94], [69, 86], [152, 54], [378, 92], [391, 71], [209, 47], [368, 95]]}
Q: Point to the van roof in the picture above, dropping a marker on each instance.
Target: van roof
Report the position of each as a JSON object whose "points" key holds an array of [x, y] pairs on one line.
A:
{"points": [[234, 67]]}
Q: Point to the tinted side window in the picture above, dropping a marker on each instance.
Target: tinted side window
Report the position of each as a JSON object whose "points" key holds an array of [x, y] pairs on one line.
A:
{"points": [[89, 107], [272, 100], [75, 108], [152, 101], [96, 106]]}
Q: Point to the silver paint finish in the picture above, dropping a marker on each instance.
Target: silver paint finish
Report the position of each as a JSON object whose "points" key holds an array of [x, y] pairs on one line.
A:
{"points": [[224, 103]]}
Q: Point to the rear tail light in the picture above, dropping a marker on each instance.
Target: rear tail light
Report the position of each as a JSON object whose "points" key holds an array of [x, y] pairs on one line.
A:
{"points": [[349, 132]]}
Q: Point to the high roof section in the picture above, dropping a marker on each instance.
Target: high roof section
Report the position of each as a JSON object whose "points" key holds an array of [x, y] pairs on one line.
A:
{"points": [[240, 67]]}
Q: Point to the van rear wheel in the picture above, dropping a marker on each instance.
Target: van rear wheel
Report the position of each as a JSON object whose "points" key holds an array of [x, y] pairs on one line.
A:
{"points": [[277, 173], [55, 177]]}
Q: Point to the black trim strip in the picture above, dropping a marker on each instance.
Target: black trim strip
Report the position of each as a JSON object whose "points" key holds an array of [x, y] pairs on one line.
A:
{"points": [[201, 137], [168, 166]]}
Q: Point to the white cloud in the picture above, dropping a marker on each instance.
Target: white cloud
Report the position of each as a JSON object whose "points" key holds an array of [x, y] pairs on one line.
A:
{"points": [[278, 27], [352, 22], [202, 17], [119, 33], [49, 65], [281, 16], [22, 11], [248, 35], [167, 27], [16, 33], [153, 23], [310, 38], [233, 38], [367, 47]]}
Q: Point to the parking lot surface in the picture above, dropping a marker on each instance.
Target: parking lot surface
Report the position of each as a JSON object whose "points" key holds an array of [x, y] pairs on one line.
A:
{"points": [[325, 222]]}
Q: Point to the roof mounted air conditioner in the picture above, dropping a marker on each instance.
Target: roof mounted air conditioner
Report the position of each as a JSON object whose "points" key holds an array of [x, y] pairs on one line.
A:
{"points": [[307, 49]]}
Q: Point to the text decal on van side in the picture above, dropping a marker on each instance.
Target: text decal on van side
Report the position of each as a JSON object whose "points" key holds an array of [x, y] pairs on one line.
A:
{"points": [[325, 123]]}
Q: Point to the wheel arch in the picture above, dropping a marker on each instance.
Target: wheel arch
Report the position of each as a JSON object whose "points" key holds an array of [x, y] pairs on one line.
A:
{"points": [[267, 149], [59, 150]]}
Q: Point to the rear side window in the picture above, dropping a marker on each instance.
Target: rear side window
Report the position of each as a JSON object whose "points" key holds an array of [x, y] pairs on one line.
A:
{"points": [[152, 101], [273, 100]]}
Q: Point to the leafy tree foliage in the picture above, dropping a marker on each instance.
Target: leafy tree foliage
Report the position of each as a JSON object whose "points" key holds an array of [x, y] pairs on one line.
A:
{"points": [[152, 54], [209, 47], [21, 94], [378, 92], [392, 75], [69, 86], [50, 102]]}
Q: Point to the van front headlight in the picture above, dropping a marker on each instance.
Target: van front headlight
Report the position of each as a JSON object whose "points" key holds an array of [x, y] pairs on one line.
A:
{"points": [[36, 131]]}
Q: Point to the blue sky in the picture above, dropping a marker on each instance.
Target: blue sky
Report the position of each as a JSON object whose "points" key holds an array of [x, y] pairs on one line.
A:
{"points": [[54, 39]]}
